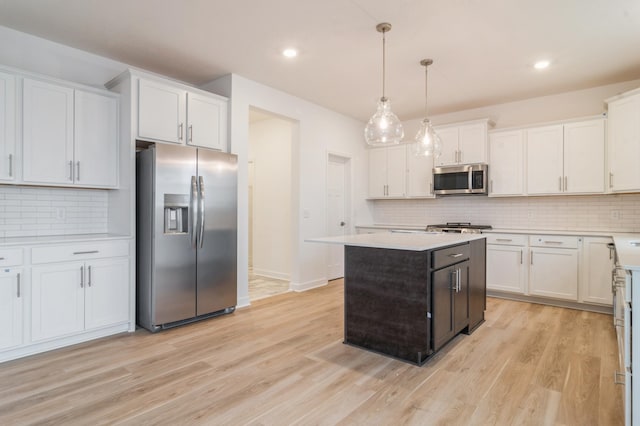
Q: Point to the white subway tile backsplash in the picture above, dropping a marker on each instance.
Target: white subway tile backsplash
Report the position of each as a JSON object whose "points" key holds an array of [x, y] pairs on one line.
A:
{"points": [[617, 213], [27, 211]]}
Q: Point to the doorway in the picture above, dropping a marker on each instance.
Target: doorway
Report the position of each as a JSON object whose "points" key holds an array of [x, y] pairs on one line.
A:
{"points": [[338, 210], [270, 206]]}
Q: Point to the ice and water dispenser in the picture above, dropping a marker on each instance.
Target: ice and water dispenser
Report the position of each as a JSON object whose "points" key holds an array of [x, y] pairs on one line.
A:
{"points": [[176, 213]]}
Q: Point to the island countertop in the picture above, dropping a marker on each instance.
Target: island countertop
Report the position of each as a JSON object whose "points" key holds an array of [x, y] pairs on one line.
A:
{"points": [[419, 241]]}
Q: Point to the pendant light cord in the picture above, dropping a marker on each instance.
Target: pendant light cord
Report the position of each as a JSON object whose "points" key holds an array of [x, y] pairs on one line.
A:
{"points": [[383, 63], [426, 84]]}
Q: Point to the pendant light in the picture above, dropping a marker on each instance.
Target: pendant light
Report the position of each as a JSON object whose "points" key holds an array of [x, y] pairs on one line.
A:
{"points": [[427, 141], [383, 127]]}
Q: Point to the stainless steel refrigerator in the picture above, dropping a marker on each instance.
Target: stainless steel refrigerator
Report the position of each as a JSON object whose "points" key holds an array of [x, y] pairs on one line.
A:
{"points": [[186, 234]]}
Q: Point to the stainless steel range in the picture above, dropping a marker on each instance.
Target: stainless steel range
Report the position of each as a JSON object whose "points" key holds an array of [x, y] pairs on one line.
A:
{"points": [[458, 227]]}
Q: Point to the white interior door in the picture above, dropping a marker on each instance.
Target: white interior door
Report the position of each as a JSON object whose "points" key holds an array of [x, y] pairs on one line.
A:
{"points": [[337, 211]]}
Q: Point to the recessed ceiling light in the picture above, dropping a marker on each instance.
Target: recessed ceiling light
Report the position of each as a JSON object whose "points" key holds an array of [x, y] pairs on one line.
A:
{"points": [[540, 65], [290, 53]]}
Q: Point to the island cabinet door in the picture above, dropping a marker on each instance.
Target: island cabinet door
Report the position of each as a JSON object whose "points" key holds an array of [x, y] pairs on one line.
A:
{"points": [[442, 324], [460, 295]]}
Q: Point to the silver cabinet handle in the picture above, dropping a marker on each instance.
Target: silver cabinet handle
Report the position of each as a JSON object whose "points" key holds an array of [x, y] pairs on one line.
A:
{"points": [[77, 170], [180, 131], [82, 277], [455, 255], [89, 275], [201, 200], [531, 258], [491, 185], [506, 240], [190, 133], [565, 183], [610, 180], [453, 279], [18, 285], [10, 165], [521, 254], [86, 252], [459, 280], [193, 212], [1, 258], [552, 242], [431, 188], [71, 171], [560, 183]]}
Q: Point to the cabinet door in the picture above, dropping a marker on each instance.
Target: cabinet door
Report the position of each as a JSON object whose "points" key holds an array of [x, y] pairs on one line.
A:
{"points": [[449, 139], [419, 174], [206, 121], [584, 157], [442, 326], [596, 266], [161, 112], [461, 299], [624, 144], [506, 162], [472, 143], [506, 268], [106, 292], [47, 133], [396, 171], [554, 273], [11, 308], [96, 140], [377, 172], [545, 160], [7, 127], [57, 300]]}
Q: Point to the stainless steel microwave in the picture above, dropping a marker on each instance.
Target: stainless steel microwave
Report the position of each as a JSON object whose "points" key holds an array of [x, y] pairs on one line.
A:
{"points": [[467, 179]]}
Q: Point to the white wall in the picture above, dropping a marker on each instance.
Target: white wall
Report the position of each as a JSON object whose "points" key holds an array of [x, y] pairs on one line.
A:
{"points": [[319, 132], [270, 151]]}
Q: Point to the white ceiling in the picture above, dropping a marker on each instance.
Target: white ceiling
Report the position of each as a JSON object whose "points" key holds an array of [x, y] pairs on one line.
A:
{"points": [[483, 50]]}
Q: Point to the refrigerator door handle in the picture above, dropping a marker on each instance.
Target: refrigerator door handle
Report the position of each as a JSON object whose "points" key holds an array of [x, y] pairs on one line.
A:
{"points": [[201, 208], [193, 212]]}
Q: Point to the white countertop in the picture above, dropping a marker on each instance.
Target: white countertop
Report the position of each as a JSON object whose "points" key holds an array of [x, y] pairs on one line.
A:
{"points": [[628, 253], [48, 239], [400, 241]]}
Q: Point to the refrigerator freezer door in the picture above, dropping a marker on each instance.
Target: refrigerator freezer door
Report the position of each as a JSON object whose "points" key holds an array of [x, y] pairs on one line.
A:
{"points": [[217, 246], [174, 297]]}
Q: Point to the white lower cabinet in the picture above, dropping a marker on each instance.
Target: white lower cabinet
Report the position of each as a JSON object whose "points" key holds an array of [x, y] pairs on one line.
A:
{"points": [[72, 297], [595, 271], [507, 263], [11, 307], [553, 267]]}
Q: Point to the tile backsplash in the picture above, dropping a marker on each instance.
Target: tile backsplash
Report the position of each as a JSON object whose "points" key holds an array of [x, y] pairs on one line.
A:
{"points": [[27, 211], [617, 213]]}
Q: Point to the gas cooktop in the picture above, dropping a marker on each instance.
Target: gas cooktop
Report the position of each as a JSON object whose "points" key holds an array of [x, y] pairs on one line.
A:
{"points": [[461, 227]]}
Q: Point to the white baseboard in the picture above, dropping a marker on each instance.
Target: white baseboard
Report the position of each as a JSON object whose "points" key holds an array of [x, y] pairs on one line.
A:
{"points": [[243, 302], [309, 284], [272, 274]]}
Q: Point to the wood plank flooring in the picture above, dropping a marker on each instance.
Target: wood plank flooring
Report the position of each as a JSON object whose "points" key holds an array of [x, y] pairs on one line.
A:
{"points": [[282, 362]]}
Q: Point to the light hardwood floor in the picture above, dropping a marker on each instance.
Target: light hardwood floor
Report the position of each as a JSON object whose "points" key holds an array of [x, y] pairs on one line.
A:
{"points": [[282, 361]]}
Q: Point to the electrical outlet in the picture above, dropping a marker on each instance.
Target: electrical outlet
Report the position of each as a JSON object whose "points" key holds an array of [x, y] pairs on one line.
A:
{"points": [[616, 214]]}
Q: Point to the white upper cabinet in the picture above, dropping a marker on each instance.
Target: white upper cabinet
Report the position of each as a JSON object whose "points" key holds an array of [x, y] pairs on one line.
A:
{"points": [[463, 143], [170, 113], [7, 127], [387, 172], [419, 174], [544, 160], [70, 136], [207, 121], [624, 143], [47, 133], [96, 147], [506, 163], [161, 112], [566, 158]]}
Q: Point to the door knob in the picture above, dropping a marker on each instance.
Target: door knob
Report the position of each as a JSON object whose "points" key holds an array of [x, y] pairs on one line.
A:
{"points": [[342, 224]]}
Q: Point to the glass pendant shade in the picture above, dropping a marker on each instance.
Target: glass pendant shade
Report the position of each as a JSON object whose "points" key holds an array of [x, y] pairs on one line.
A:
{"points": [[427, 141], [384, 127]]}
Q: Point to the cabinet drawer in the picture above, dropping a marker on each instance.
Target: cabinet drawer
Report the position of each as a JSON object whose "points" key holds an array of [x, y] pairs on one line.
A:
{"points": [[508, 239], [79, 251], [10, 257], [449, 256], [558, 241]]}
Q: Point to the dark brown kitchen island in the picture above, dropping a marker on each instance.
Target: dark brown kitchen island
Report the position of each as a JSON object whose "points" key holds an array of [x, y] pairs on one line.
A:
{"points": [[407, 295]]}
